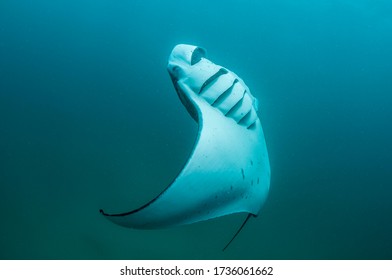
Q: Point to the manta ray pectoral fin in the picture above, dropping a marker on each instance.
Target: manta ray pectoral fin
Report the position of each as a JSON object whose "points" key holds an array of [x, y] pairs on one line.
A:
{"points": [[228, 170]]}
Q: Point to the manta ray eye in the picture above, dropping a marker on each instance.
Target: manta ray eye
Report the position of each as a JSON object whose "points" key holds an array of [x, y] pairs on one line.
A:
{"points": [[197, 55], [176, 72], [175, 69]]}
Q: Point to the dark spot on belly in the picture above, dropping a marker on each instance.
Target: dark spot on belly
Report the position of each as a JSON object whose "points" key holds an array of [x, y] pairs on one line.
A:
{"points": [[231, 188], [251, 183], [258, 180], [251, 162], [243, 174]]}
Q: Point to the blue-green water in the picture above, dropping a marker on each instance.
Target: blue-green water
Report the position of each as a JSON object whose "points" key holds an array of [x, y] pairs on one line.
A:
{"points": [[89, 119]]}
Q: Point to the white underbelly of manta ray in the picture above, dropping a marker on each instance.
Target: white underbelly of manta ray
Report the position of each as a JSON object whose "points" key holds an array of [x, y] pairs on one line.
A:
{"points": [[228, 170]]}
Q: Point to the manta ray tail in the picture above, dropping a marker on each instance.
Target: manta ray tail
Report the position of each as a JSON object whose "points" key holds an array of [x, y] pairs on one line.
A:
{"points": [[239, 230]]}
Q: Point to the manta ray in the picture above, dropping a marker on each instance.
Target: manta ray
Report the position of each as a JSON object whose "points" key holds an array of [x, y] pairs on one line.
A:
{"points": [[228, 170]]}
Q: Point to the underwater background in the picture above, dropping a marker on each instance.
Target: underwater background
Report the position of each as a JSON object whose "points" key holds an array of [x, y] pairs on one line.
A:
{"points": [[89, 119]]}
